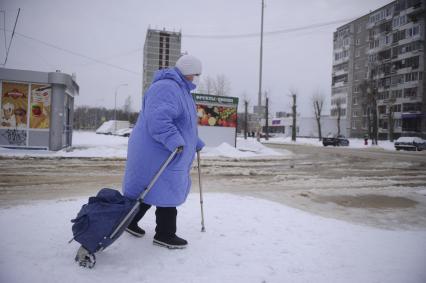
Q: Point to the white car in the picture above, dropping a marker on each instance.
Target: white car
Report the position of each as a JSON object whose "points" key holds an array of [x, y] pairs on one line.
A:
{"points": [[410, 143]]}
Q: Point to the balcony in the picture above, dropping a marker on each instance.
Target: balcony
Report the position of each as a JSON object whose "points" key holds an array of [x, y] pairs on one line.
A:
{"points": [[415, 10], [404, 71], [340, 61], [339, 84], [340, 72]]}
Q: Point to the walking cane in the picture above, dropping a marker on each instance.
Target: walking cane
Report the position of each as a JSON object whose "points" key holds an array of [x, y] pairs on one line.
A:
{"points": [[203, 229]]}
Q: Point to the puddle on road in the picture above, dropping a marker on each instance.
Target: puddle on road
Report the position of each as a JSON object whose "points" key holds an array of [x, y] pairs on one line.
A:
{"points": [[368, 201]]}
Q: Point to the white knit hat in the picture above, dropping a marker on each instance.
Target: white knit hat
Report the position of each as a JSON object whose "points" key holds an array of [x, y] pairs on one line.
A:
{"points": [[189, 65]]}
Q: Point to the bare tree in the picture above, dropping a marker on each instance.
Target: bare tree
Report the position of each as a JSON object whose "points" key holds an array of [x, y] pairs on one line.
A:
{"points": [[215, 86], [391, 118], [293, 94], [222, 85], [369, 96], [127, 108], [207, 85], [339, 102], [318, 103]]}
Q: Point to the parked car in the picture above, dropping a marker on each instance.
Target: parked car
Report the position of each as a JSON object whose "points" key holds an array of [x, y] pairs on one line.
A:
{"points": [[263, 135], [124, 132], [338, 140], [410, 143]]}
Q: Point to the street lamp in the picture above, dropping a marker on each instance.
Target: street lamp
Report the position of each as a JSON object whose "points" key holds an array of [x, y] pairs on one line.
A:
{"points": [[115, 105]]}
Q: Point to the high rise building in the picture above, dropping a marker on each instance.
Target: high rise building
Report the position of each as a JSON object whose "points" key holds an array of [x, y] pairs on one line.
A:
{"points": [[382, 55], [161, 50]]}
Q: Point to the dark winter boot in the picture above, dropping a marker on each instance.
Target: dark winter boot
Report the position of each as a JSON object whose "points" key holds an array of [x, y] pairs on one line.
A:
{"points": [[165, 232], [173, 242], [136, 231], [133, 227]]}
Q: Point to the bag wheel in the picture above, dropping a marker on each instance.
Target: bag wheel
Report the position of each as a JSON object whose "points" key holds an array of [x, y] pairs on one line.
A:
{"points": [[84, 258]]}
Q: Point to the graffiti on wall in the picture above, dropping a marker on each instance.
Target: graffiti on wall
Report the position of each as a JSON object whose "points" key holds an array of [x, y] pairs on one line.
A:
{"points": [[15, 137]]}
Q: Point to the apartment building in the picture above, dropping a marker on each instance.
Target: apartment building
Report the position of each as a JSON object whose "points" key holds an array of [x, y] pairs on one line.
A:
{"points": [[385, 48], [161, 50]]}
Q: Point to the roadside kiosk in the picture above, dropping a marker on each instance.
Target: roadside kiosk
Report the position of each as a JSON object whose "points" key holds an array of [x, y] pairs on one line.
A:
{"points": [[36, 109]]}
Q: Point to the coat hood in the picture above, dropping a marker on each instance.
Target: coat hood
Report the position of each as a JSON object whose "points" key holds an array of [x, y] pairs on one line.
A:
{"points": [[173, 74]]}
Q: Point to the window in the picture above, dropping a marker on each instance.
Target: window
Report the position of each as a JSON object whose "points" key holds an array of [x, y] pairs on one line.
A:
{"points": [[410, 92], [412, 77], [355, 101], [357, 41], [353, 124], [413, 31], [397, 108], [364, 123], [411, 107], [356, 77], [398, 79], [397, 93], [355, 113], [395, 22], [365, 111], [397, 123], [357, 52]]}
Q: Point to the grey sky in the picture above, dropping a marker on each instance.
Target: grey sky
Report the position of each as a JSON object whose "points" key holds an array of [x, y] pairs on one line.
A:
{"points": [[114, 32]]}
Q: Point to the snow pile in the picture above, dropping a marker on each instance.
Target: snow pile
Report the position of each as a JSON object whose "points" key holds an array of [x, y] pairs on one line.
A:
{"points": [[271, 243], [245, 149], [252, 145]]}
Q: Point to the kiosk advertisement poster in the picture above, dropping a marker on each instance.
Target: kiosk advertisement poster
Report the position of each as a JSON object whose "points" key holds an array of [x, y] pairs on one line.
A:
{"points": [[13, 113], [217, 118], [40, 106], [14, 105]]}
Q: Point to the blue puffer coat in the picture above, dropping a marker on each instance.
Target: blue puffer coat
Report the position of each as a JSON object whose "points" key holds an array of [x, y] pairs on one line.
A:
{"points": [[168, 120]]}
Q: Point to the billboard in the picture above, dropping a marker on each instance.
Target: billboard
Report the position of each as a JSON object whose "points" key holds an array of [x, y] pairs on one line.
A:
{"points": [[217, 118]]}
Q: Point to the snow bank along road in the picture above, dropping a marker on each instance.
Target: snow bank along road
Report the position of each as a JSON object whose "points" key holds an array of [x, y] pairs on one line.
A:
{"points": [[375, 187]]}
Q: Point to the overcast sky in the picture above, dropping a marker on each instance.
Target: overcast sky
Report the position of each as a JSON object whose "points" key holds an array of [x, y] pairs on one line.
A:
{"points": [[114, 32]]}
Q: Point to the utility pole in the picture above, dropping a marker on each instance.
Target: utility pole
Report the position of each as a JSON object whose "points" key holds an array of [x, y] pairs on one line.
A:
{"points": [[11, 38], [115, 105], [259, 99], [245, 118], [266, 118], [293, 131]]}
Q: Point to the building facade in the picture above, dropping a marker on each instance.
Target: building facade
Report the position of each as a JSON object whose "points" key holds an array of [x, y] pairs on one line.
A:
{"points": [[385, 50], [161, 50], [306, 127]]}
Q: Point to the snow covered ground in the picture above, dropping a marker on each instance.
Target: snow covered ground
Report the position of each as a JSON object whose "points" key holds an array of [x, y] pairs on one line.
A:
{"points": [[246, 240], [90, 144]]}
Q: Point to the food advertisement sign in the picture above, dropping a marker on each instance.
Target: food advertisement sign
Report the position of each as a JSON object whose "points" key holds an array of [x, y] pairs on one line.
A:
{"points": [[14, 105], [216, 111], [217, 119], [40, 106]]}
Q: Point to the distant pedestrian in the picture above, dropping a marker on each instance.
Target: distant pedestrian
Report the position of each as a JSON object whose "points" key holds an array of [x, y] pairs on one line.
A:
{"points": [[168, 121]]}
